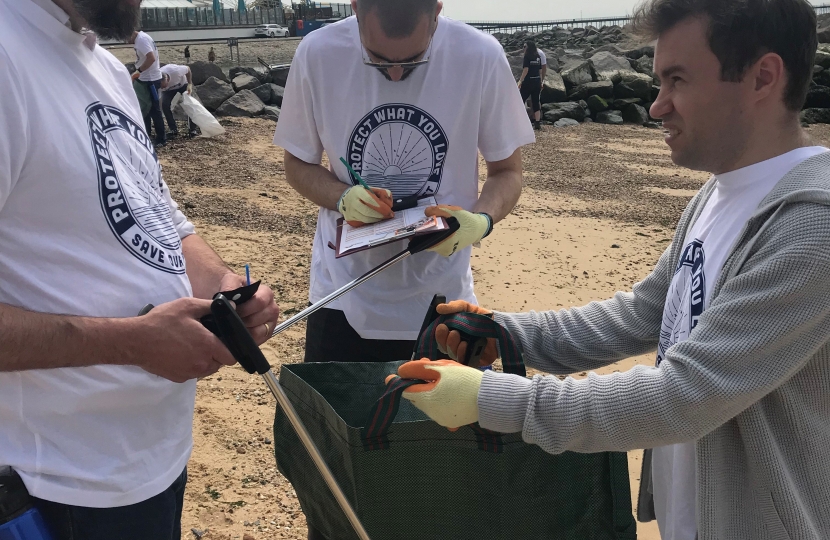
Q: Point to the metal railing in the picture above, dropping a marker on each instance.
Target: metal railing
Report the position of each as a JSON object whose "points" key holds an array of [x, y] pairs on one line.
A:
{"points": [[184, 18], [188, 18], [507, 27]]}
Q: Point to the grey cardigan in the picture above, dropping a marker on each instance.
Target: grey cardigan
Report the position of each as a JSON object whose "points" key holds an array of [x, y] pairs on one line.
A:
{"points": [[751, 385]]}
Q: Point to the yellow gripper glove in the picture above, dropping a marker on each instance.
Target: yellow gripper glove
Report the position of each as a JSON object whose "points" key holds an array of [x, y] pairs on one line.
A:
{"points": [[450, 396], [473, 228], [360, 206], [449, 341]]}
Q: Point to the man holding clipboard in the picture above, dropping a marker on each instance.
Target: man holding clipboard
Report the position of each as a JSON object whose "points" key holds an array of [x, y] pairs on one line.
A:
{"points": [[408, 99]]}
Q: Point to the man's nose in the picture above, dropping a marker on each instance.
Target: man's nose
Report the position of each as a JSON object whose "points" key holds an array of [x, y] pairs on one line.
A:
{"points": [[662, 106], [395, 73]]}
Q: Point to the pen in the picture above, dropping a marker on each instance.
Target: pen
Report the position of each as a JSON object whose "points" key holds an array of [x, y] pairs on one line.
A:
{"points": [[248, 273], [359, 179]]}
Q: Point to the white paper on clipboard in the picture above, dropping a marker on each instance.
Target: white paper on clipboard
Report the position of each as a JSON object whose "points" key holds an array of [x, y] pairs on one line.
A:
{"points": [[405, 224]]}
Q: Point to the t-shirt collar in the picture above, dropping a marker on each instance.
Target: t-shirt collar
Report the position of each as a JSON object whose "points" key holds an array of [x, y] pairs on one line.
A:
{"points": [[51, 8]]}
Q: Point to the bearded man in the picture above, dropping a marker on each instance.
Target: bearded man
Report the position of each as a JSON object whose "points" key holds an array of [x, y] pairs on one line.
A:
{"points": [[96, 404]]}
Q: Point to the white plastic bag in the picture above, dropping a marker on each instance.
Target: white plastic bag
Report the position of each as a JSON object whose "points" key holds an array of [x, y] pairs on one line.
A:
{"points": [[201, 117]]}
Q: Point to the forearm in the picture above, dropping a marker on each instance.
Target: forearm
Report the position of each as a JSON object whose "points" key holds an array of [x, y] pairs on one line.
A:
{"points": [[502, 189], [544, 72], [524, 74], [32, 340], [759, 333], [314, 182], [189, 77], [593, 336], [205, 268], [148, 61]]}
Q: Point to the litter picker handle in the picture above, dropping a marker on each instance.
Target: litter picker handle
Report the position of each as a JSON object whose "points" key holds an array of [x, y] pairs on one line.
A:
{"points": [[426, 241], [237, 338]]}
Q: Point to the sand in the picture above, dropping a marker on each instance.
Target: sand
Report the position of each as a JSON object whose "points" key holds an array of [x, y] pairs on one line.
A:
{"points": [[598, 209]]}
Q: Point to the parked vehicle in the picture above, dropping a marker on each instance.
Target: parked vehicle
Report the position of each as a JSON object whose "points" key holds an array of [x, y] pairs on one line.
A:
{"points": [[270, 30]]}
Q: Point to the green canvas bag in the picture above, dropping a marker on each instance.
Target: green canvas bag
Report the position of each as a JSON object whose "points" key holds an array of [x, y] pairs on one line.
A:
{"points": [[410, 479]]}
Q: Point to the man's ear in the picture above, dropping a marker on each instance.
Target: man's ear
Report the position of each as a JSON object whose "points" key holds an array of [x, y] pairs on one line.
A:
{"points": [[354, 7], [438, 9], [769, 77]]}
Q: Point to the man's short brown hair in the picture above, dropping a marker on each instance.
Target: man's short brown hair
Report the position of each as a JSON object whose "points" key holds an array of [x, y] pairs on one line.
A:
{"points": [[398, 18], [742, 31]]}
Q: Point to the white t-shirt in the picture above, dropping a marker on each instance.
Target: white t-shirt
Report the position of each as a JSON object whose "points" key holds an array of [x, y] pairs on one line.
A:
{"points": [[542, 56], [177, 74], [708, 243], [88, 228], [417, 136], [144, 44]]}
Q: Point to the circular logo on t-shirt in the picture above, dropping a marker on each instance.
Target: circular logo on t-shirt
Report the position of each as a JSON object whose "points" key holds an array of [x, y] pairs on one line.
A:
{"points": [[131, 189], [400, 148]]}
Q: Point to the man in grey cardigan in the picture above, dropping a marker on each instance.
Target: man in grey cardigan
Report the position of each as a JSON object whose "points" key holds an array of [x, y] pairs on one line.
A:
{"points": [[737, 407]]}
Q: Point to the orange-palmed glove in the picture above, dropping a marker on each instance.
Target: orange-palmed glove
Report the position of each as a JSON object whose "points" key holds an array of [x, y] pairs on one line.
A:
{"points": [[449, 341], [360, 206], [450, 396]]}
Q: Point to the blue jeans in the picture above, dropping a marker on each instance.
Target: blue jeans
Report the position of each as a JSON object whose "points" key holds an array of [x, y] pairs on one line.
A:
{"points": [[155, 112], [158, 518]]}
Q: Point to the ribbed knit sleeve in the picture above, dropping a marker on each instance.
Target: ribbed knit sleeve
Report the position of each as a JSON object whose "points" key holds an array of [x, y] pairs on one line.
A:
{"points": [[766, 323], [593, 336]]}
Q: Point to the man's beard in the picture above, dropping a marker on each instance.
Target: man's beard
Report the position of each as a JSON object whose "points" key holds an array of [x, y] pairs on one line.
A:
{"points": [[110, 19]]}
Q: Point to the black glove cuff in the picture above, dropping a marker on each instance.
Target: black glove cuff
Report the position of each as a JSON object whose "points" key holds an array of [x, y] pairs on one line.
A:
{"points": [[489, 224]]}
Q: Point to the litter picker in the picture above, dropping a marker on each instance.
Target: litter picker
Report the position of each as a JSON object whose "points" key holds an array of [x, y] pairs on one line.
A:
{"points": [[228, 326]]}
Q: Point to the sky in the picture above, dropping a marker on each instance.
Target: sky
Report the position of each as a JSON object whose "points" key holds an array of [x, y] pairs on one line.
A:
{"points": [[537, 10]]}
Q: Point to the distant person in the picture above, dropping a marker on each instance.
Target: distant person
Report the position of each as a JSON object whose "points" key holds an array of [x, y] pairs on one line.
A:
{"points": [[187, 54], [211, 55], [530, 82], [148, 72], [175, 80]]}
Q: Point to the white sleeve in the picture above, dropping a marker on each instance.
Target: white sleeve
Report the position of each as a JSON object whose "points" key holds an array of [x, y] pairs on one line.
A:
{"points": [[297, 129], [143, 45], [503, 126], [543, 57], [14, 136]]}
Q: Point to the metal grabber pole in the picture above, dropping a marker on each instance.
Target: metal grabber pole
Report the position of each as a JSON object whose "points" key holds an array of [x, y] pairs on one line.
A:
{"points": [[240, 343]]}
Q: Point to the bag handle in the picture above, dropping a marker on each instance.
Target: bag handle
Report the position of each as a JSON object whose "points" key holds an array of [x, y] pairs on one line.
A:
{"points": [[375, 433], [479, 326]]}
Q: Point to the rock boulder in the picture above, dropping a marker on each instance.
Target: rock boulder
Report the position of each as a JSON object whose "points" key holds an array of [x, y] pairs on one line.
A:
{"points": [[277, 93], [610, 117], [635, 114], [815, 116], [609, 67], [244, 103], [565, 122], [243, 81], [603, 89], [818, 98], [271, 113], [202, 71], [558, 111], [213, 93], [576, 72], [263, 92], [634, 85], [597, 104], [553, 89]]}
